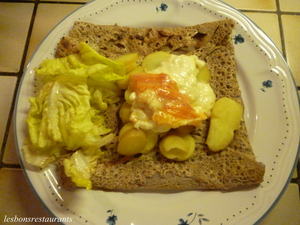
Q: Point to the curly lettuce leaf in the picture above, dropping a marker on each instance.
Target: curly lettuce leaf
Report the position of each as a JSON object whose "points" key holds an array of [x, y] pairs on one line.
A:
{"points": [[81, 165], [91, 57], [58, 112], [79, 168], [87, 62], [60, 118], [50, 68], [65, 115], [101, 73]]}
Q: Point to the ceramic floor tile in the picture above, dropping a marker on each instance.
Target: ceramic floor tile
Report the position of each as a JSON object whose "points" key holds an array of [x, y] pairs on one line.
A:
{"points": [[295, 174], [79, 1], [17, 199], [287, 210], [291, 29], [290, 5], [10, 153], [14, 23], [45, 13], [268, 22], [7, 89], [268, 5]]}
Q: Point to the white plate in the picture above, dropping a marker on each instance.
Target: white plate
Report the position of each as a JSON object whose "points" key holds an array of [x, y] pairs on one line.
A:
{"points": [[271, 114]]}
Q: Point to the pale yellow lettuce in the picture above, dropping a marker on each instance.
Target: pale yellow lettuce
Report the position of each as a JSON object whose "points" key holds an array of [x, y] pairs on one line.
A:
{"points": [[65, 115]]}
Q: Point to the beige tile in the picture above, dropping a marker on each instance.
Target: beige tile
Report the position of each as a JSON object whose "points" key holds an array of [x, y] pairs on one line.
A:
{"points": [[7, 89], [268, 22], [287, 211], [17, 198], [295, 174], [290, 5], [14, 23], [53, 14], [68, 0], [291, 29], [10, 154], [268, 5]]}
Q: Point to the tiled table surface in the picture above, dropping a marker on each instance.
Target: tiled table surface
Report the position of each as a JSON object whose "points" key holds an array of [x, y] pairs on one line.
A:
{"points": [[23, 25]]}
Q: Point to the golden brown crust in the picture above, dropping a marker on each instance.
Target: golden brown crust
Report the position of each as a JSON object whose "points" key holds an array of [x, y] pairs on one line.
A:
{"points": [[232, 167]]}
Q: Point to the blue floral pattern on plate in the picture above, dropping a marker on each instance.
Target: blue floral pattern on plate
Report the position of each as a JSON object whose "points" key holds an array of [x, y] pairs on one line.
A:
{"points": [[193, 215], [162, 8], [266, 84], [238, 39], [112, 218]]}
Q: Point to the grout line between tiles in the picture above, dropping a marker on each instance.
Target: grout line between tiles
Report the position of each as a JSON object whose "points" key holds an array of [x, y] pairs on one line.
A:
{"points": [[46, 2], [279, 13], [298, 175], [11, 166], [28, 37], [19, 75], [58, 2]]}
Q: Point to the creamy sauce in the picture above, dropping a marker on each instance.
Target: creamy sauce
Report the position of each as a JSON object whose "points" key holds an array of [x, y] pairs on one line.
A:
{"points": [[184, 70], [173, 98]]}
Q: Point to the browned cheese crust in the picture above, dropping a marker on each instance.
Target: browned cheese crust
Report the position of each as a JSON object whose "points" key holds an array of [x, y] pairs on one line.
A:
{"points": [[230, 168]]}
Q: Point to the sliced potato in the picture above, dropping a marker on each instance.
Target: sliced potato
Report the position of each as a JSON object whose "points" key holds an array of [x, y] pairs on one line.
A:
{"points": [[138, 69], [123, 84], [153, 60], [152, 138], [130, 67], [225, 119], [125, 112], [132, 142], [125, 128], [127, 96], [128, 58], [129, 61], [204, 74], [186, 129], [177, 146]]}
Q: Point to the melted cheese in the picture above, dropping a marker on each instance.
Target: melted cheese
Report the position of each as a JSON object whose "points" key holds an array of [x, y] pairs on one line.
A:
{"points": [[170, 96], [184, 70]]}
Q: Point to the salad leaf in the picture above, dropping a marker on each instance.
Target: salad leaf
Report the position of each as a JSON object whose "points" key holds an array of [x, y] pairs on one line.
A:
{"points": [[101, 73], [91, 57], [65, 115], [60, 113], [38, 157], [80, 166], [50, 68], [87, 62]]}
